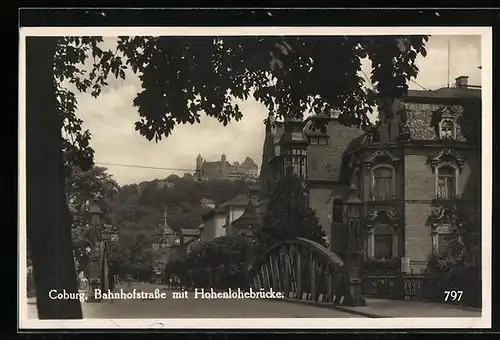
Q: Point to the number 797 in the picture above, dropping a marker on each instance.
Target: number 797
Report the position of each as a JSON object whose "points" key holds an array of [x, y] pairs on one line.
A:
{"points": [[453, 295]]}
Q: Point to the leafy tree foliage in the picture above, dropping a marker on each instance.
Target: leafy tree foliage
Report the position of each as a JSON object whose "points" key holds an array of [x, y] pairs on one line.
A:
{"points": [[461, 267], [289, 75], [218, 263], [142, 206], [288, 215], [92, 185]]}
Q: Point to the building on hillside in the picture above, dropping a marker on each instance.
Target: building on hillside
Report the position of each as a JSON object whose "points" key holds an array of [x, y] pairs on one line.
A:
{"points": [[422, 158], [222, 169], [207, 203], [217, 222]]}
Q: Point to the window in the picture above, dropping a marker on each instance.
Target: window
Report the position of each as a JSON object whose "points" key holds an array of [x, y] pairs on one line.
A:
{"points": [[383, 246], [314, 140], [446, 183], [383, 181], [447, 129], [382, 241], [299, 161], [338, 211]]}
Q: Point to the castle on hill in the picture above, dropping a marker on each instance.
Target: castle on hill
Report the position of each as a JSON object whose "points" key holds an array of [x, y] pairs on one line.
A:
{"points": [[222, 169]]}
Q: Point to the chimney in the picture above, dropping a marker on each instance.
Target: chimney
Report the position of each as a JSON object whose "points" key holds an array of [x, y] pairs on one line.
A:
{"points": [[461, 81]]}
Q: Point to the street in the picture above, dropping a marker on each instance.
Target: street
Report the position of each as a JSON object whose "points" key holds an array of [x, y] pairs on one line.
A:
{"points": [[198, 308]]}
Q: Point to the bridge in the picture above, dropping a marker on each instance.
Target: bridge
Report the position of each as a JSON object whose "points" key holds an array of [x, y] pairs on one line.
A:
{"points": [[300, 269]]}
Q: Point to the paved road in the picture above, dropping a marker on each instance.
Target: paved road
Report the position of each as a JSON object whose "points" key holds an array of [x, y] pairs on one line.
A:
{"points": [[198, 308]]}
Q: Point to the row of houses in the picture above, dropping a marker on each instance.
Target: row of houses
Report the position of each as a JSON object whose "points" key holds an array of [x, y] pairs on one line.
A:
{"points": [[238, 216]]}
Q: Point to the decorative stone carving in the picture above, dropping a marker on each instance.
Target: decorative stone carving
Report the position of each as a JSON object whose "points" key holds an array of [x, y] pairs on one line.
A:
{"points": [[446, 216], [447, 155], [378, 155], [389, 214], [446, 112], [382, 221]]}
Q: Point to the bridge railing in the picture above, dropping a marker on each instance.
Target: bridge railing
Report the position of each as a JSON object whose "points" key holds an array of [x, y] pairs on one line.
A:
{"points": [[301, 269]]}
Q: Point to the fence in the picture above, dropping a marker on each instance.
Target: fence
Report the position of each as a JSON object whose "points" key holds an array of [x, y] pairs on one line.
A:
{"points": [[404, 287]]}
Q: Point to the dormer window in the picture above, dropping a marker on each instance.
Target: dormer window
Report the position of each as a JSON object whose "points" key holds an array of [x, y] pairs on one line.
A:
{"points": [[447, 129]]}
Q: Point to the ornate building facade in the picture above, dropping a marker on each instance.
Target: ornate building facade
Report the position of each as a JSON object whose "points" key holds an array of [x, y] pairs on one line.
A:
{"points": [[405, 177], [222, 169]]}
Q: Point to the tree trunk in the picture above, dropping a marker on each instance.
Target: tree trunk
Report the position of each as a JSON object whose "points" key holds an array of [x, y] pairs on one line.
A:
{"points": [[48, 220]]}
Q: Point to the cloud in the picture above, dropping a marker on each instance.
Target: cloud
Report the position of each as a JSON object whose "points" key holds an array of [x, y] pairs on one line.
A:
{"points": [[111, 118]]}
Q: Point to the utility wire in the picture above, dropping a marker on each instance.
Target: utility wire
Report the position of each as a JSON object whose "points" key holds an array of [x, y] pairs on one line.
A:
{"points": [[142, 167]]}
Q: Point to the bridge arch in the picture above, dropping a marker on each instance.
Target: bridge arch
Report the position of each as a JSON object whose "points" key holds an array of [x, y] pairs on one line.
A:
{"points": [[300, 269]]}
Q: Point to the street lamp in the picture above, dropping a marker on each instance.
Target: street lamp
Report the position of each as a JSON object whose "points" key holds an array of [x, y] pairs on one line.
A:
{"points": [[354, 293]]}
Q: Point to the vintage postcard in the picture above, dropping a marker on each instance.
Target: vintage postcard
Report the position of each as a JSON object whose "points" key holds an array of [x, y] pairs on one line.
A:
{"points": [[255, 177]]}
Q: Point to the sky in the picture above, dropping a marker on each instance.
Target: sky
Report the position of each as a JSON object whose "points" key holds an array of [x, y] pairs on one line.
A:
{"points": [[111, 117]]}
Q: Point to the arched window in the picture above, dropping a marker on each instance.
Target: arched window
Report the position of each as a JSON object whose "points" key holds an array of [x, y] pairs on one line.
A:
{"points": [[338, 211], [446, 182], [382, 242], [383, 246], [383, 183], [447, 129]]}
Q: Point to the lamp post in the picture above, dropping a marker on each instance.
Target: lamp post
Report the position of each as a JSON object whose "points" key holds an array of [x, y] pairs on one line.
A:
{"points": [[354, 295]]}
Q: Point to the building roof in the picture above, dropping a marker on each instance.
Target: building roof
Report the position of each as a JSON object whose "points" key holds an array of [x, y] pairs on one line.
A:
{"points": [[356, 143], [446, 93], [239, 201], [330, 156], [190, 232], [249, 217]]}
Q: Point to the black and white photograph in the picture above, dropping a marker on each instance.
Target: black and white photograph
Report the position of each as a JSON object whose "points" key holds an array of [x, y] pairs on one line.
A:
{"points": [[255, 177]]}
